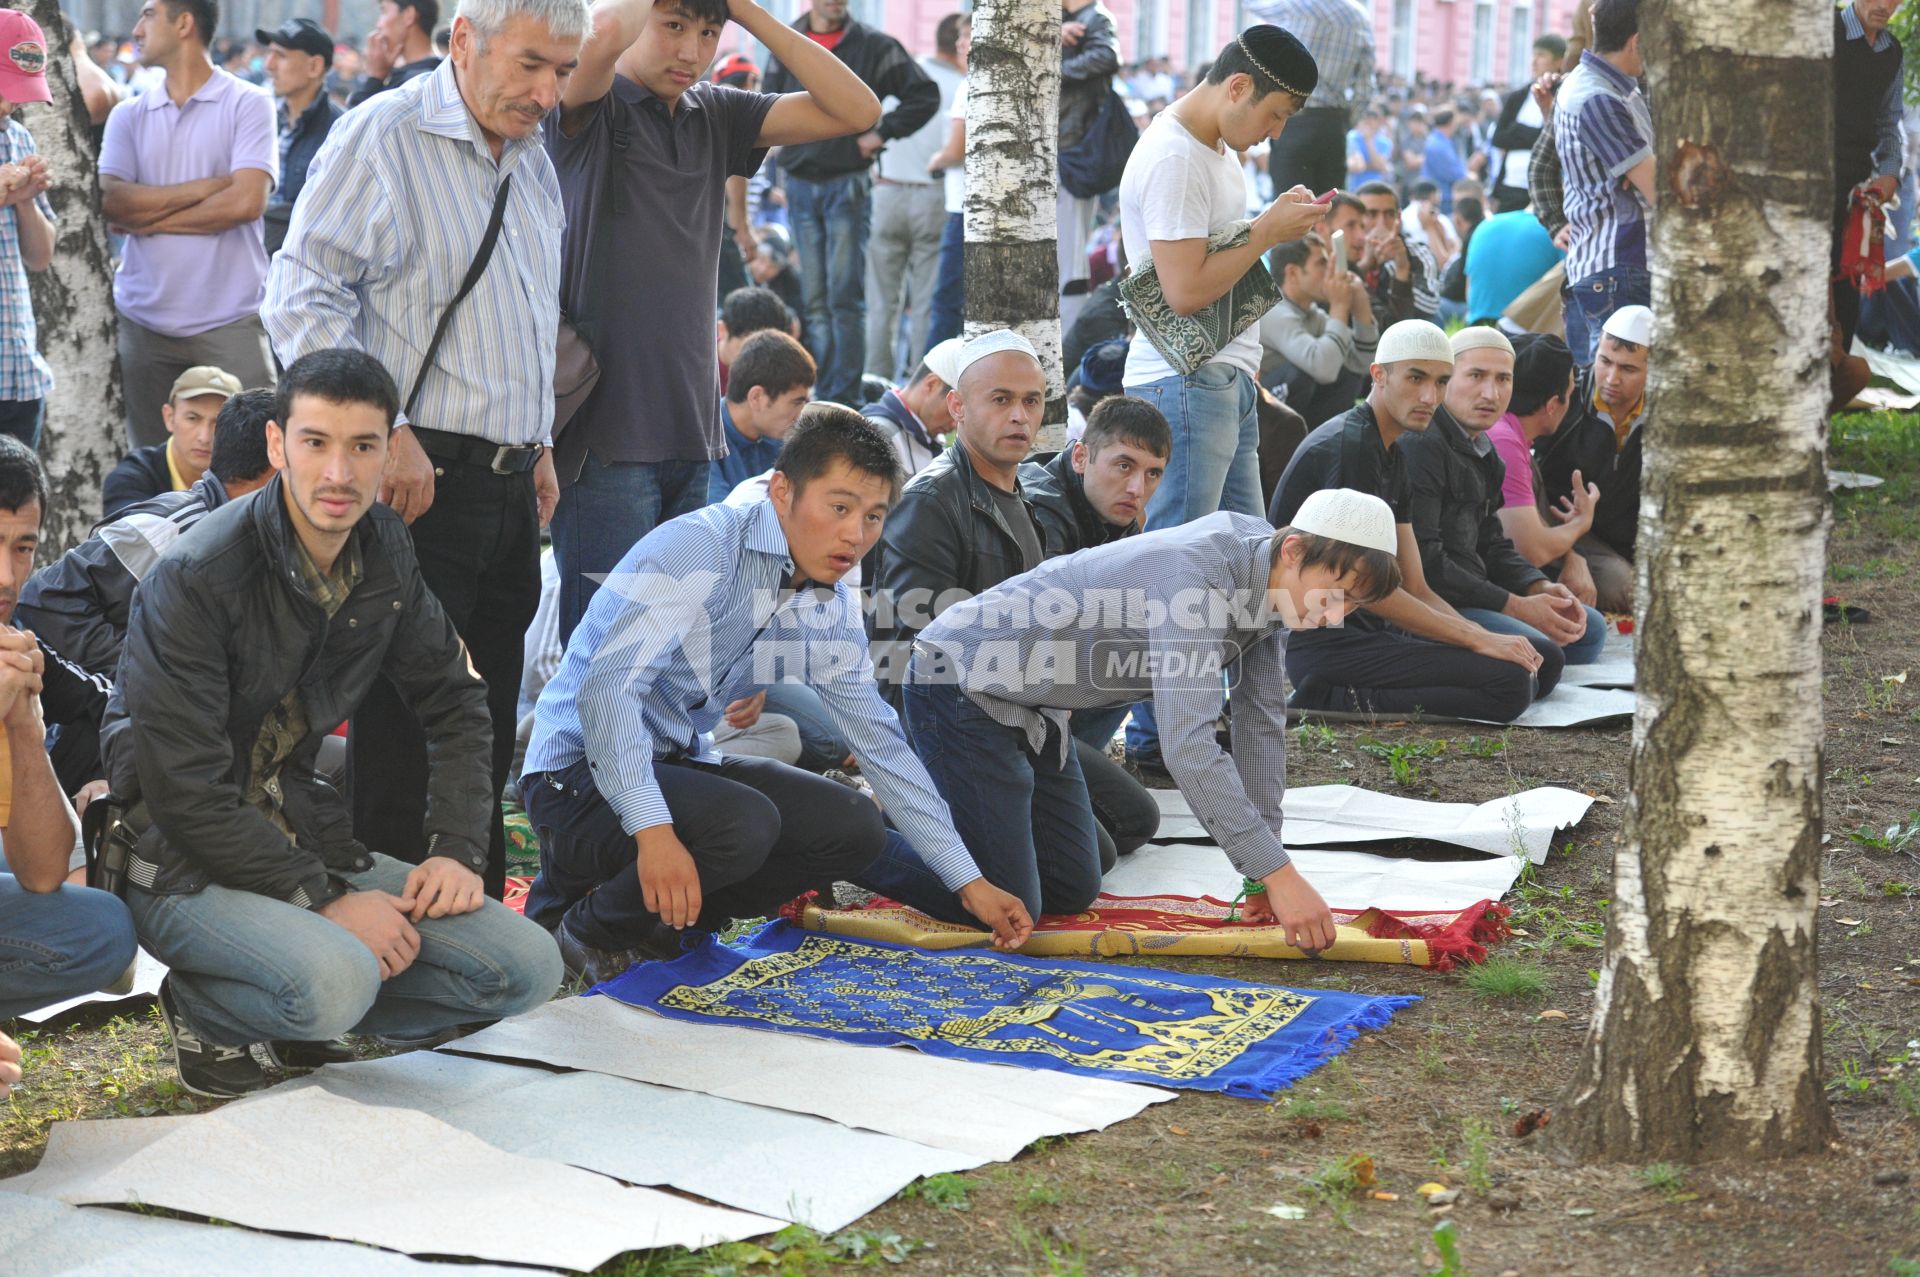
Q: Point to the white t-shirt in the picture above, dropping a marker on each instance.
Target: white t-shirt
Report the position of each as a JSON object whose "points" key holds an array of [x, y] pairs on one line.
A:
{"points": [[1175, 188], [956, 176]]}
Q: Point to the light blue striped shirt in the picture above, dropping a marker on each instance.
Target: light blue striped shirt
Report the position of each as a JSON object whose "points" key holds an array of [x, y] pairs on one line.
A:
{"points": [[1339, 35], [697, 615], [394, 208]]}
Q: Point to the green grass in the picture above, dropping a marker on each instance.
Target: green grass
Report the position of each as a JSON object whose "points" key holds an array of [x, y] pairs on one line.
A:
{"points": [[1502, 978], [1896, 837], [1664, 1177], [1476, 1138], [948, 1192], [1886, 444]]}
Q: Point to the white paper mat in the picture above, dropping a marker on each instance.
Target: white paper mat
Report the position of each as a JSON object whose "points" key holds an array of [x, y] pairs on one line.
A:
{"points": [[51, 1239], [1345, 879], [1569, 705], [309, 1162], [1322, 815], [983, 1110], [762, 1160], [147, 973], [1609, 671]]}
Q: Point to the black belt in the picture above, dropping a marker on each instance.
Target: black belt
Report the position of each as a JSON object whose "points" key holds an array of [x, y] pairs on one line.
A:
{"points": [[471, 450]]}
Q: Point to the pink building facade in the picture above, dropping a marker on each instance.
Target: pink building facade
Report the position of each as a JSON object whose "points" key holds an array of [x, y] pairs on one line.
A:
{"points": [[1463, 42]]}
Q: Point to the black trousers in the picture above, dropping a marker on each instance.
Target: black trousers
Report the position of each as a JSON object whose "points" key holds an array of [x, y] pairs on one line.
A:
{"points": [[760, 833], [1311, 151], [479, 551], [1124, 813], [1388, 671]]}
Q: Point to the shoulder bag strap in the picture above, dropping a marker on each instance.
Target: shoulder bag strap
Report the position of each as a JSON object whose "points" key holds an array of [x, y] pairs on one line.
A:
{"points": [[474, 271]]}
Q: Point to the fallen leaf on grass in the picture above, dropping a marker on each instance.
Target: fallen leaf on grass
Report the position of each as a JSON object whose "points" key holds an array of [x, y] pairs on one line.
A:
{"points": [[1280, 1210], [1581, 1212], [1551, 1015], [1531, 1122], [1828, 902], [1362, 1169], [1206, 1206], [1178, 1130], [1849, 922]]}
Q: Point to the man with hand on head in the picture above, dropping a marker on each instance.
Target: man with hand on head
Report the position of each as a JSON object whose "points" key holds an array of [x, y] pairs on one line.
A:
{"points": [[1409, 651], [996, 680], [249, 640], [645, 830], [1456, 478]]}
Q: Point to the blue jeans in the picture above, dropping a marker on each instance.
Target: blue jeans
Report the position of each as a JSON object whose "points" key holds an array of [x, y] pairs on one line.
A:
{"points": [[58, 944], [1584, 651], [21, 418], [1215, 465], [1026, 817], [831, 221], [605, 511], [1590, 302], [949, 312], [249, 968], [821, 746]]}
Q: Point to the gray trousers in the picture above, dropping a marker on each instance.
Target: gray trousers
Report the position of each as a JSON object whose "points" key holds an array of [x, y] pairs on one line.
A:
{"points": [[150, 362], [1612, 574], [903, 260]]}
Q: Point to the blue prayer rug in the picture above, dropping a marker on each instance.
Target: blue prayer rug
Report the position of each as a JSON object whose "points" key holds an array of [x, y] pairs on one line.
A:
{"points": [[1131, 1024]]}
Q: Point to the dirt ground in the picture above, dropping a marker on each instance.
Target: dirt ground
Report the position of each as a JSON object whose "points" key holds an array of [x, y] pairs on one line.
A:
{"points": [[1213, 1185]]}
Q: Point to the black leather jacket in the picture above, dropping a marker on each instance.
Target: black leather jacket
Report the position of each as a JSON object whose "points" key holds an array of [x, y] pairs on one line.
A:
{"points": [[220, 630], [1068, 521], [1585, 442], [1455, 507], [946, 534]]}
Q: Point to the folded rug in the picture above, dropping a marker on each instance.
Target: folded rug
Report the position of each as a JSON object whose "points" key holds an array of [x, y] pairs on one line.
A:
{"points": [[1131, 1023], [1190, 927]]}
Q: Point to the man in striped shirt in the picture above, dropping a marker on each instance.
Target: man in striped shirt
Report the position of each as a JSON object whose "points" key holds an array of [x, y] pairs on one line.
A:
{"points": [[645, 829], [1339, 35], [393, 215], [1603, 134], [1163, 616]]}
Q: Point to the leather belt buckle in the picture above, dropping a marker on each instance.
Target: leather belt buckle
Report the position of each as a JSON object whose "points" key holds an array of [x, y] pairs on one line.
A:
{"points": [[507, 456]]}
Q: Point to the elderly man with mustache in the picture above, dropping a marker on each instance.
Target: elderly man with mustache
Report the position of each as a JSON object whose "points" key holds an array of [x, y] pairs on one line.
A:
{"points": [[395, 216]]}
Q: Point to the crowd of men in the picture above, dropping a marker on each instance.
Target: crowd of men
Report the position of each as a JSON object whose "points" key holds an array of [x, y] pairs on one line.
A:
{"points": [[730, 629]]}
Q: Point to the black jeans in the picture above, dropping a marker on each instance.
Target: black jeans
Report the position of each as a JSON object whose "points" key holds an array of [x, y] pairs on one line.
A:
{"points": [[479, 551], [21, 418], [1312, 152], [760, 833], [1380, 669]]}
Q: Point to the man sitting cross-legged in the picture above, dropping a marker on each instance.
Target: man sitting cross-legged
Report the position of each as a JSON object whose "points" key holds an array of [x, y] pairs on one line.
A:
{"points": [[1161, 616], [965, 524], [644, 830], [262, 628], [1543, 389], [1410, 651], [1456, 477]]}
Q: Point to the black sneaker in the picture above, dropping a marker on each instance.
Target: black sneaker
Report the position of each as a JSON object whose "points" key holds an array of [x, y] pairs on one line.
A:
{"points": [[301, 1056], [584, 962], [217, 1072]]}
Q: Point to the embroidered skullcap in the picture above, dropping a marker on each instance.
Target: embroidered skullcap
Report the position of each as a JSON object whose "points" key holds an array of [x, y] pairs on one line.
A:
{"points": [[1281, 58], [1480, 337], [1413, 339], [943, 361], [1341, 514], [1631, 323], [993, 343]]}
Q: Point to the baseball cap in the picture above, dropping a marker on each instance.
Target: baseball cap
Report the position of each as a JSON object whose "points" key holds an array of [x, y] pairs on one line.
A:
{"points": [[302, 35], [23, 73], [204, 380], [738, 65], [1341, 514]]}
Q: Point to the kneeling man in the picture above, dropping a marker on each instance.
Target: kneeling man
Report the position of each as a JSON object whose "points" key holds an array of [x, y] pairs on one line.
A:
{"points": [[1160, 617], [262, 628]]}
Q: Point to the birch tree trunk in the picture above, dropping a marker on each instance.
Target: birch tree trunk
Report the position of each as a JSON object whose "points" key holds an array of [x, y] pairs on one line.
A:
{"points": [[1013, 115], [1705, 1040], [85, 432]]}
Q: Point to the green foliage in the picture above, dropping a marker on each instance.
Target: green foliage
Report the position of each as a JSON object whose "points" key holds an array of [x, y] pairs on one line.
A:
{"points": [[1337, 1181], [1476, 1138], [1315, 736], [1896, 837], [1502, 978], [1446, 1243], [1664, 1177], [1403, 758], [948, 1192]]}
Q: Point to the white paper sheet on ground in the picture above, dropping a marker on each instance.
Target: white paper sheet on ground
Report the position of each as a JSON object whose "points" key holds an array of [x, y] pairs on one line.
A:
{"points": [[1572, 706], [985, 1110], [1608, 671], [1325, 815], [313, 1163], [1883, 399], [147, 974], [1902, 369], [1854, 479], [52, 1239], [1345, 879], [763, 1160]]}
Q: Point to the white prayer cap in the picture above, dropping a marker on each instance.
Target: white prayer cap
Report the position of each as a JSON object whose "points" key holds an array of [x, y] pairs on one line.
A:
{"points": [[992, 343], [1631, 323], [943, 361], [1480, 337], [1413, 339], [1341, 514]]}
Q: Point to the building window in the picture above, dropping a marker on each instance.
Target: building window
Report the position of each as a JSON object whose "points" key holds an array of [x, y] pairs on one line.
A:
{"points": [[1520, 46], [1200, 40], [1150, 30], [1405, 32], [1483, 29]]}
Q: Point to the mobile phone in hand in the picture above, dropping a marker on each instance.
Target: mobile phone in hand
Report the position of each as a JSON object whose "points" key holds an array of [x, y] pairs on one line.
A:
{"points": [[1331, 192]]}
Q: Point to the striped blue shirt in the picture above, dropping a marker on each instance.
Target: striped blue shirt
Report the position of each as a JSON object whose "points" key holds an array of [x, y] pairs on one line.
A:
{"points": [[697, 615], [23, 373], [1339, 35], [393, 211], [1602, 128], [1161, 616]]}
